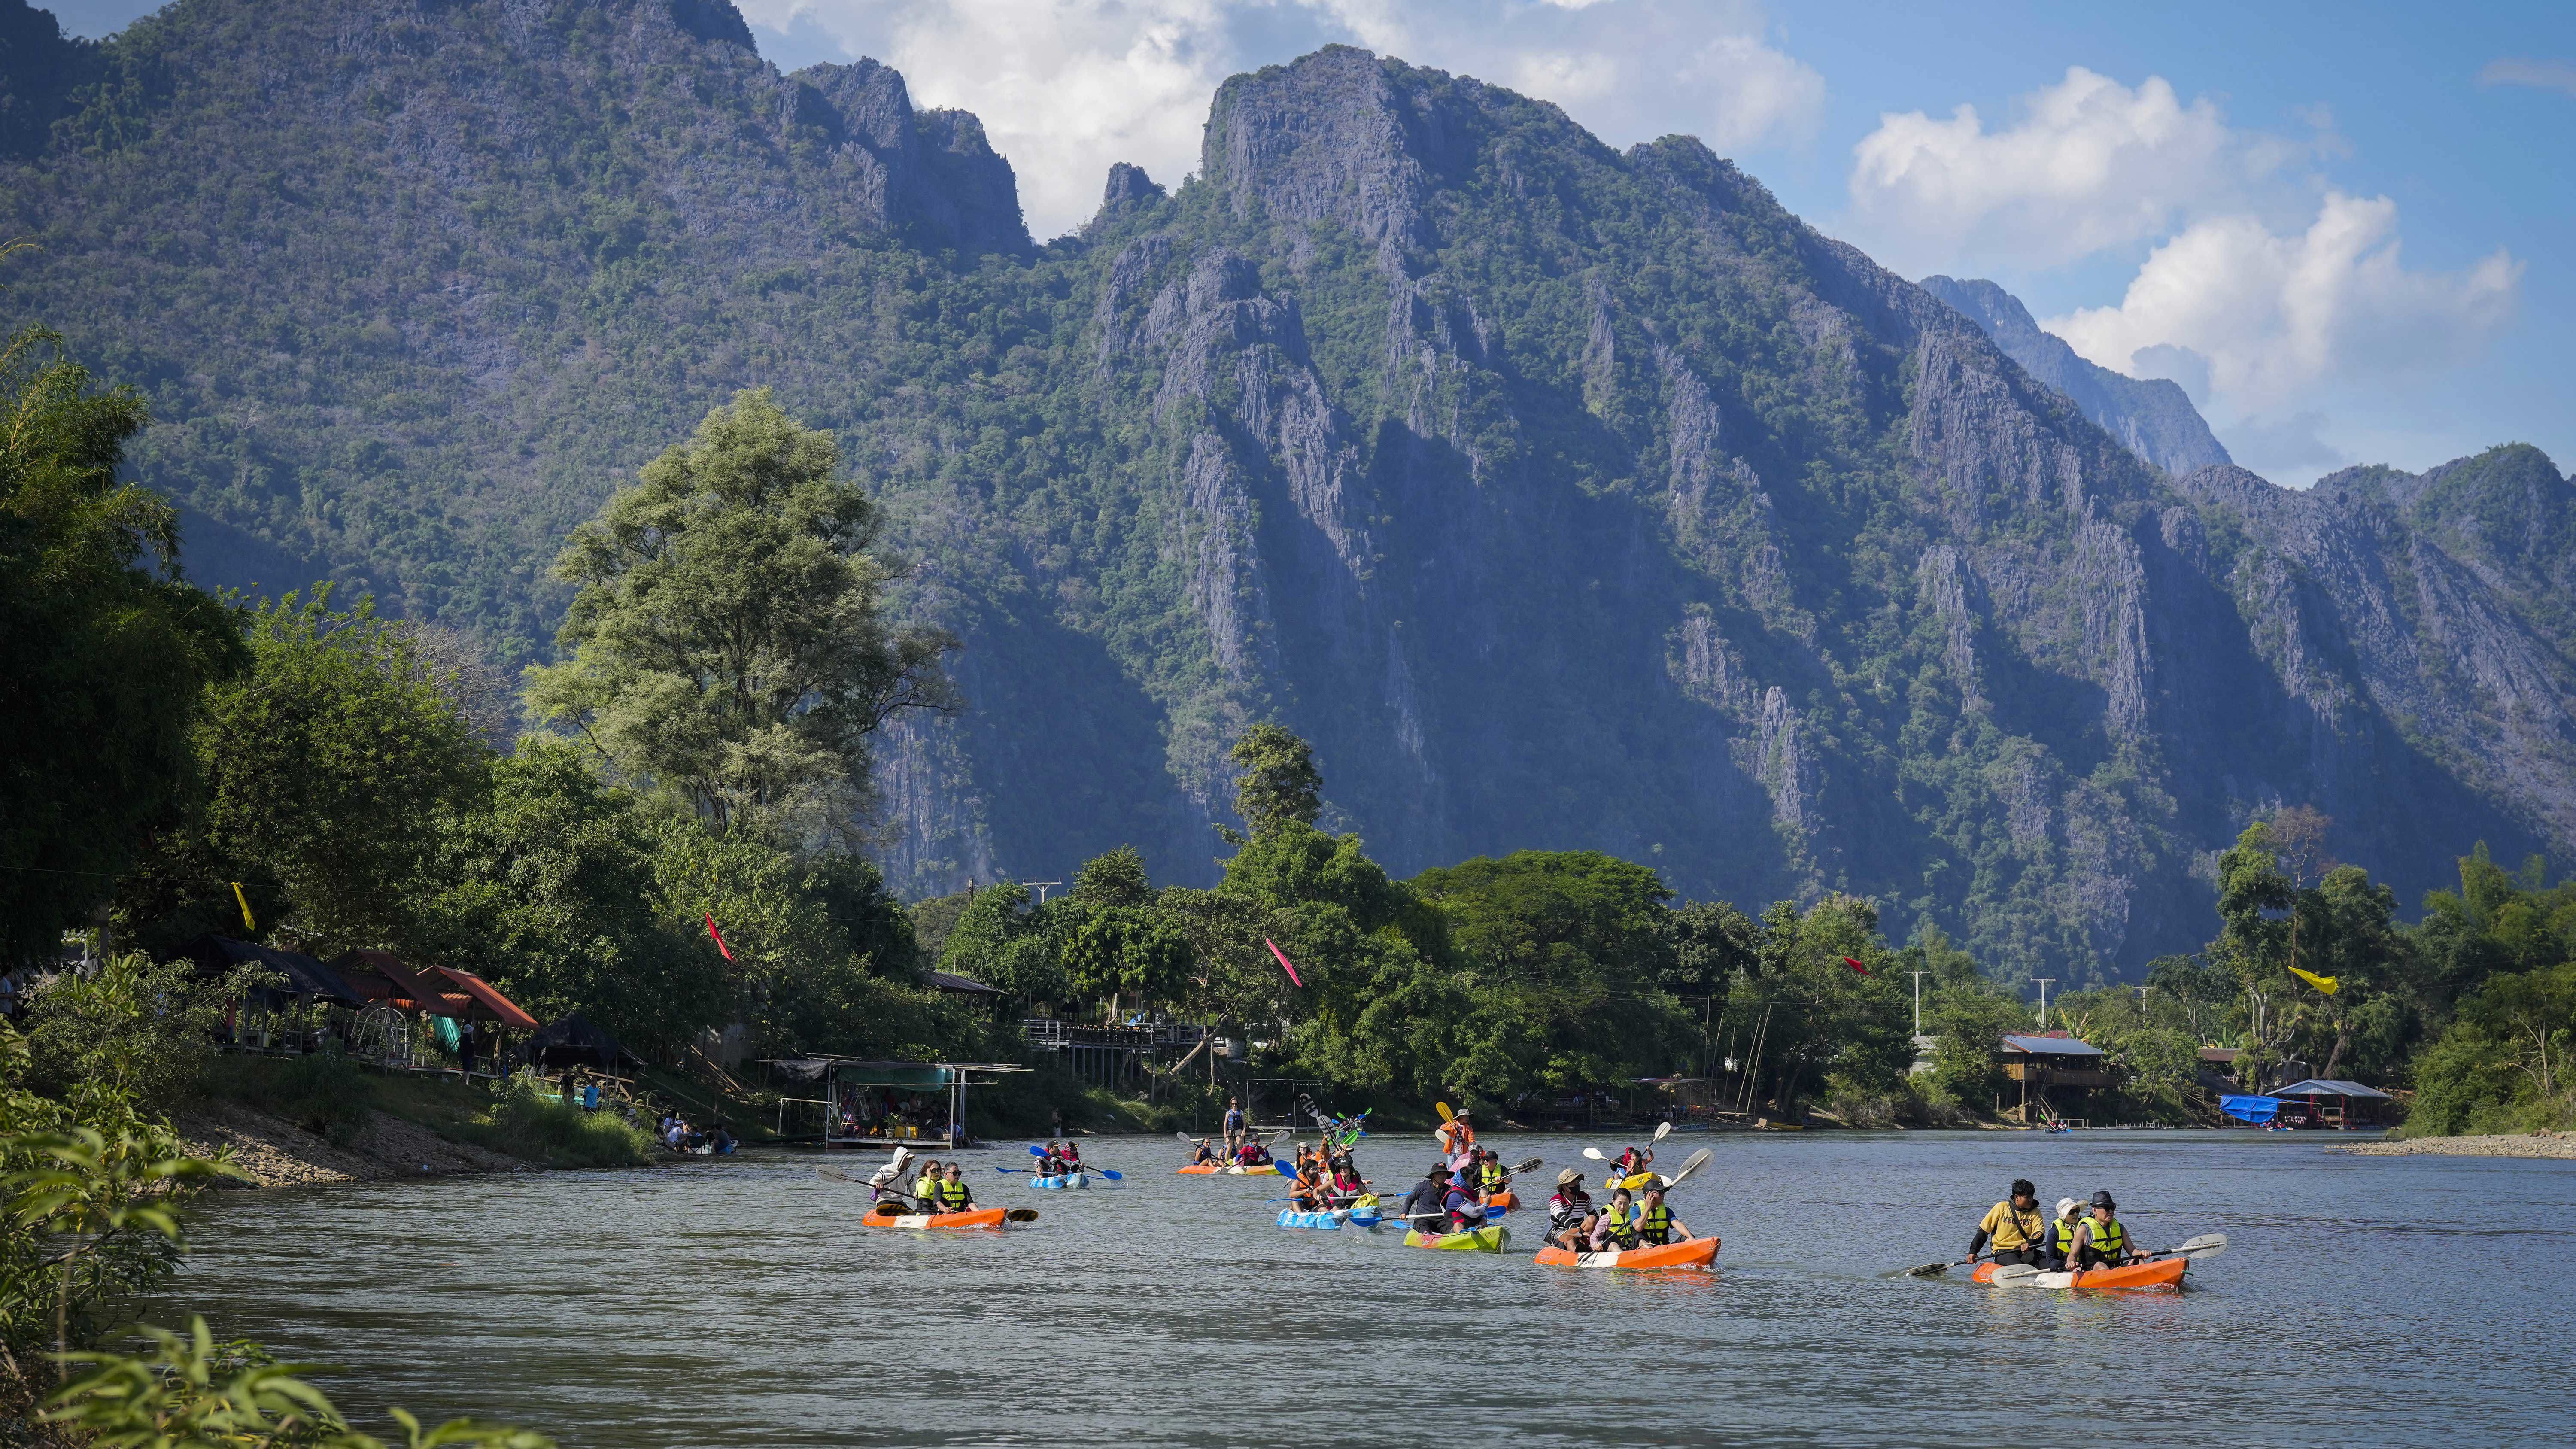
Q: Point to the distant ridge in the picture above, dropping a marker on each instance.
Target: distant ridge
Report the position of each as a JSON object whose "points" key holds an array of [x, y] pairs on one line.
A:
{"points": [[2153, 416]]}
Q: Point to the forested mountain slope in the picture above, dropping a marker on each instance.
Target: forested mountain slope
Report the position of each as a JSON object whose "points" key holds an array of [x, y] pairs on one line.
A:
{"points": [[1563, 496]]}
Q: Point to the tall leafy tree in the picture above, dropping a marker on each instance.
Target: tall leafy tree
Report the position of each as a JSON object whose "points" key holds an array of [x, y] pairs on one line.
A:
{"points": [[729, 641], [103, 648], [1279, 783]]}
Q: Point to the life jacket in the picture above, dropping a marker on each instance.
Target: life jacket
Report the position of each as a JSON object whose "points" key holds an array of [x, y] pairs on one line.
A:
{"points": [[925, 1188], [1621, 1232], [2109, 1239], [2065, 1238], [1657, 1225], [952, 1195], [1491, 1175]]}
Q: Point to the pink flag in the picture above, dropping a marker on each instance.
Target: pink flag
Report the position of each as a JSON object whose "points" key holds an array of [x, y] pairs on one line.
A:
{"points": [[1283, 961], [718, 935]]}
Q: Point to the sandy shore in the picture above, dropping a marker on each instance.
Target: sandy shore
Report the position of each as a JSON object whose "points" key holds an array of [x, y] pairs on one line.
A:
{"points": [[2524, 1144], [277, 1153]]}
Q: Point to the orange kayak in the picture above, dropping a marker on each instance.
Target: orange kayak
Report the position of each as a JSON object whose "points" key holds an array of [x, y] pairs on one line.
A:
{"points": [[2153, 1273], [981, 1218], [1697, 1253], [1208, 1169], [1504, 1200]]}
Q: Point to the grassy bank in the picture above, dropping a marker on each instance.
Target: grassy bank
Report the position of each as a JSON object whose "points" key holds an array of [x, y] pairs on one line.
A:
{"points": [[337, 1101]]}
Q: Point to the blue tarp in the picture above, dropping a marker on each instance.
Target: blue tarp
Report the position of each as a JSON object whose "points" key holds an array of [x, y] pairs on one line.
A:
{"points": [[2251, 1109]]}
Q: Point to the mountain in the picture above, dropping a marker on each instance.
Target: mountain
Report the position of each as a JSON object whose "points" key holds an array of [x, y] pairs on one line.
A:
{"points": [[1563, 496], [2152, 416]]}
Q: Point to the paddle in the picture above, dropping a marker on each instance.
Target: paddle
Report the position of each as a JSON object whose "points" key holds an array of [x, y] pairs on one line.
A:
{"points": [[2207, 1245], [1697, 1160], [2013, 1273], [1662, 1131], [1021, 1215], [1935, 1270], [1530, 1166]]}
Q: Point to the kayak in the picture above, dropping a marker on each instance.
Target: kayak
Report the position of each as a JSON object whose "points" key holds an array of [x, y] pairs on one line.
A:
{"points": [[1504, 1200], [1325, 1222], [980, 1218], [1697, 1253], [1210, 1169], [1078, 1179], [1474, 1240], [2153, 1273], [1638, 1183]]}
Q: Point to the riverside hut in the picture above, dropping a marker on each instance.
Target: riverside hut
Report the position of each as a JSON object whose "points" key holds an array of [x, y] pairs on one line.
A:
{"points": [[2057, 1072], [881, 1103], [2331, 1102]]}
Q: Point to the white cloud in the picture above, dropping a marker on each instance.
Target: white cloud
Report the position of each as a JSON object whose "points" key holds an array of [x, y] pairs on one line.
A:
{"points": [[2275, 315], [2552, 75], [1066, 87], [2092, 164]]}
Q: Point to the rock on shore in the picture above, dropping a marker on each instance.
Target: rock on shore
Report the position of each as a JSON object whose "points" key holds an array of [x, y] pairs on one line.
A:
{"points": [[2519, 1144], [277, 1153]]}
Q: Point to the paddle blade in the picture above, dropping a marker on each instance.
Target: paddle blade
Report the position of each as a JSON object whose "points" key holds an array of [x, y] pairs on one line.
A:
{"points": [[2013, 1273], [1442, 1108], [1021, 1215], [1008, 1171], [1595, 1154], [1186, 1139], [1928, 1270], [1663, 1130], [1111, 1173], [1036, 1151], [1530, 1166], [2207, 1245], [1697, 1159]]}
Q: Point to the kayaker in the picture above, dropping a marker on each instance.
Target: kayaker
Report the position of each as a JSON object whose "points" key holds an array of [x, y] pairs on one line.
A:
{"points": [[1490, 1177], [925, 1188], [1250, 1153], [1348, 1185], [882, 1181], [1457, 1137], [954, 1195], [1612, 1228], [1465, 1205], [2061, 1234], [2019, 1232], [1422, 1205], [1568, 1210], [1634, 1161], [1656, 1223], [2100, 1239], [1203, 1154], [1069, 1158]]}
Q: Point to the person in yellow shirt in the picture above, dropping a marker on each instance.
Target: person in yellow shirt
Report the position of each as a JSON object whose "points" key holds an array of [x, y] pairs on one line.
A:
{"points": [[2017, 1227]]}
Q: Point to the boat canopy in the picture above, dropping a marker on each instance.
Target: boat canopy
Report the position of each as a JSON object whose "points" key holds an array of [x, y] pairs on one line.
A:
{"points": [[2330, 1087]]}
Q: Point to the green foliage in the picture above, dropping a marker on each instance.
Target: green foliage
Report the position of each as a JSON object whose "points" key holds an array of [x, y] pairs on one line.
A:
{"points": [[326, 1094], [729, 640], [102, 648], [329, 766], [531, 1122], [132, 1030], [1279, 783]]}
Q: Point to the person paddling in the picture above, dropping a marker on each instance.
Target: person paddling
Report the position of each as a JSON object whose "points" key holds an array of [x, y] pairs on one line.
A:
{"points": [[1457, 1138], [2100, 1239], [1422, 1205], [925, 1188], [1068, 1158], [1568, 1211], [1202, 1154], [1613, 1229], [1634, 1161], [954, 1195], [1465, 1205], [2016, 1226], [2061, 1233]]}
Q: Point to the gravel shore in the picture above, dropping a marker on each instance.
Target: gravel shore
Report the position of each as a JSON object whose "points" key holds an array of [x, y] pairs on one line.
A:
{"points": [[2522, 1144], [277, 1153]]}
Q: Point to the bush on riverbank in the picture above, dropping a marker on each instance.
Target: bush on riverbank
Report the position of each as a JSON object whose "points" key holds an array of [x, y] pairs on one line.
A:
{"points": [[528, 1121]]}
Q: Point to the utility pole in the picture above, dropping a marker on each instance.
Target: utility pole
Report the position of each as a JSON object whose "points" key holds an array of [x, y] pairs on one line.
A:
{"points": [[2044, 983], [1043, 886], [1918, 999], [2142, 1004]]}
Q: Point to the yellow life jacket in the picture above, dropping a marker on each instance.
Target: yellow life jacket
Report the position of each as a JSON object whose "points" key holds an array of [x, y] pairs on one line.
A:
{"points": [[1492, 1175], [1621, 1230], [2110, 1239], [2065, 1238], [925, 1188], [952, 1195], [1655, 1225]]}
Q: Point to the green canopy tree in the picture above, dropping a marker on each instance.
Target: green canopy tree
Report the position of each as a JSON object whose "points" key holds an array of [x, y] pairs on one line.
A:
{"points": [[1279, 783], [729, 640], [104, 649]]}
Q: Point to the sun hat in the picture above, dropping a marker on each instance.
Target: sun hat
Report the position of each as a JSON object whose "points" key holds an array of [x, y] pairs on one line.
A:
{"points": [[2064, 1203]]}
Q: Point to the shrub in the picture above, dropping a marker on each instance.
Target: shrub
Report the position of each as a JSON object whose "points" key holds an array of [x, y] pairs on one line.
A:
{"points": [[326, 1095], [531, 1122]]}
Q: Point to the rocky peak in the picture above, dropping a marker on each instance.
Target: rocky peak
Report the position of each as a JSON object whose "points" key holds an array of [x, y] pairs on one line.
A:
{"points": [[928, 175], [2152, 417], [1129, 191], [1330, 137]]}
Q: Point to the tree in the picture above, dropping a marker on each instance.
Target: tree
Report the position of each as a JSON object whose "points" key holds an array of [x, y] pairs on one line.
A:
{"points": [[329, 767], [551, 895], [729, 640], [103, 649], [1279, 783]]}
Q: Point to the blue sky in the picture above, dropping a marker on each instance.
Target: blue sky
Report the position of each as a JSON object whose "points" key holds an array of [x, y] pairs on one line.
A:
{"points": [[2349, 229]]}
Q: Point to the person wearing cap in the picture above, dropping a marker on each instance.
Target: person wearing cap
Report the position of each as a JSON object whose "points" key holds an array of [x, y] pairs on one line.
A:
{"points": [[1568, 1211], [1457, 1141], [2100, 1239], [2061, 1233], [1422, 1205], [2019, 1232]]}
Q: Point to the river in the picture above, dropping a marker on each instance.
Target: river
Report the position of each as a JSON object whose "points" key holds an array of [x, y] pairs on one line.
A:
{"points": [[2406, 1300]]}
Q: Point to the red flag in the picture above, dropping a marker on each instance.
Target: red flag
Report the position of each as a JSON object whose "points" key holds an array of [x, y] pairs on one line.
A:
{"points": [[1283, 961], [1856, 966], [718, 935]]}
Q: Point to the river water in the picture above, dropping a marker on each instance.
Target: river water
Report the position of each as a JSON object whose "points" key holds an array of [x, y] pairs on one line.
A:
{"points": [[2403, 1300]]}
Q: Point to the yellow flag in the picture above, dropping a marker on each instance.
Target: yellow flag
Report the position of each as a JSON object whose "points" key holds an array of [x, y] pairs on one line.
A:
{"points": [[247, 923], [2326, 984]]}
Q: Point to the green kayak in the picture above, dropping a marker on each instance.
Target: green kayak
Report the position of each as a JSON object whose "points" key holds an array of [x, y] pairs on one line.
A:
{"points": [[1474, 1240]]}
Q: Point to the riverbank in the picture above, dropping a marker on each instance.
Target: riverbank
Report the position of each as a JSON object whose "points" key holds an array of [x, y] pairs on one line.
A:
{"points": [[275, 1152], [2518, 1144]]}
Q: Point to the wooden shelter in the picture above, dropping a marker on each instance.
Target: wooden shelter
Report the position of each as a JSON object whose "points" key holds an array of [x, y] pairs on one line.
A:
{"points": [[2056, 1072]]}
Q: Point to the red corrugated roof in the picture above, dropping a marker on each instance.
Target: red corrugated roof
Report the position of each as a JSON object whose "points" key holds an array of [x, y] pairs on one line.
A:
{"points": [[490, 1000], [408, 991]]}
